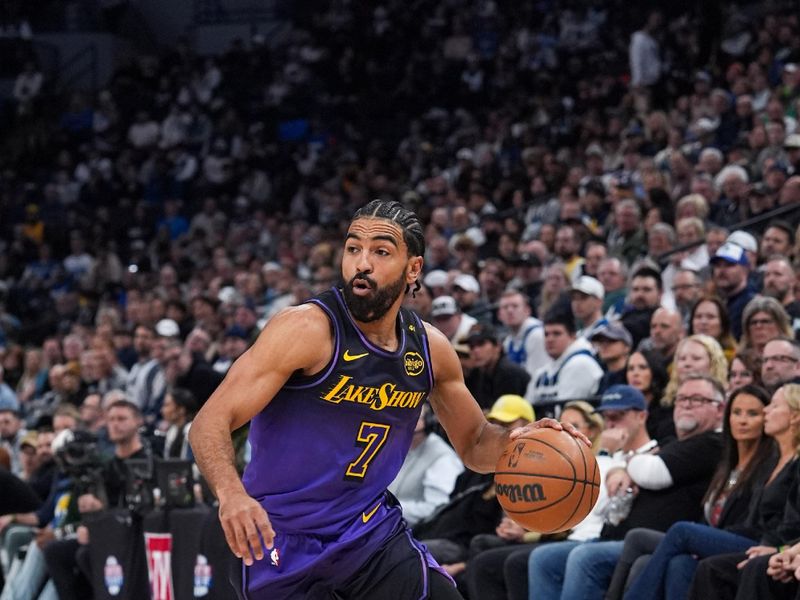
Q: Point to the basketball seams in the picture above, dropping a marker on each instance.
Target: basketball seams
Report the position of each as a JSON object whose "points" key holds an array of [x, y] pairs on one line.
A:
{"points": [[571, 482], [568, 520]]}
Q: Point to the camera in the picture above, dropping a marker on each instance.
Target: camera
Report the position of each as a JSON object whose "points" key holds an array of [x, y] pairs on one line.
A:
{"points": [[77, 454]]}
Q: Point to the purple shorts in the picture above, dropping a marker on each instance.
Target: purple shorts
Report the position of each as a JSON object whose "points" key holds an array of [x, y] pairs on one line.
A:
{"points": [[308, 567]]}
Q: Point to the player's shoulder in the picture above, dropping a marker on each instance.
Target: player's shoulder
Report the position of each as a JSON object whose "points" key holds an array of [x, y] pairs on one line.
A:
{"points": [[443, 355], [302, 322], [436, 338]]}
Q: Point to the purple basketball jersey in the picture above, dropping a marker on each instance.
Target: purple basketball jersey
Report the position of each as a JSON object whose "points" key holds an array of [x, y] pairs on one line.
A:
{"points": [[327, 446]]}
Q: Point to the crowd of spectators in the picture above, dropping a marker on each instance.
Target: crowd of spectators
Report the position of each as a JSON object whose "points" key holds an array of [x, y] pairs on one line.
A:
{"points": [[590, 175]]}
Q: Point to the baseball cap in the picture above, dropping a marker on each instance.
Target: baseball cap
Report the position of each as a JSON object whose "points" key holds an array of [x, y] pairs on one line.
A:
{"points": [[464, 154], [731, 253], [167, 328], [467, 282], [510, 407], [444, 306], [613, 331], [622, 397], [743, 239], [594, 149], [236, 331], [436, 278], [482, 333], [589, 286], [29, 439], [527, 260], [792, 141]]}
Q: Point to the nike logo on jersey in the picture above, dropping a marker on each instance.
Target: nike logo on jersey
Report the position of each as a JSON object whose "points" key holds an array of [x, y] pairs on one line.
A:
{"points": [[367, 516], [348, 357]]}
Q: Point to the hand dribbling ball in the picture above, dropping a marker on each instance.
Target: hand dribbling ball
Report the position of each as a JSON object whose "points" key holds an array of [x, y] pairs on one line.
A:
{"points": [[547, 481]]}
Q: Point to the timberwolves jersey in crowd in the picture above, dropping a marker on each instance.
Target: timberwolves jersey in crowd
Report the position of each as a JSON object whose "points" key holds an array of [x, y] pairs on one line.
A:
{"points": [[358, 415]]}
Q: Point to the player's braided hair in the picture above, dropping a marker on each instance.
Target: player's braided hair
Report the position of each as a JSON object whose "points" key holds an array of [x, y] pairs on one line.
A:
{"points": [[413, 232]]}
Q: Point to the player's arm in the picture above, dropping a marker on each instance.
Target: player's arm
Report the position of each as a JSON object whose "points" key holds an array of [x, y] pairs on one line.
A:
{"points": [[297, 339], [478, 442]]}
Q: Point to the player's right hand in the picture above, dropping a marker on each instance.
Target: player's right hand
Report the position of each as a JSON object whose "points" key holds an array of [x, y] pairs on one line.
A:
{"points": [[245, 524]]}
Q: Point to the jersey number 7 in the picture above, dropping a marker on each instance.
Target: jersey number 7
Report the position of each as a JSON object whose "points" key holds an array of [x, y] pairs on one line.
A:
{"points": [[371, 437]]}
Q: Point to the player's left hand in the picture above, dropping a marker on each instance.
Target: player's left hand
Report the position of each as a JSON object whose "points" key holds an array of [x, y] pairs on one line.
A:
{"points": [[552, 424]]}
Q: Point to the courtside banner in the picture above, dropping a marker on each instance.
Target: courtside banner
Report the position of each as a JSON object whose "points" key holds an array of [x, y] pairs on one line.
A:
{"points": [[159, 565]]}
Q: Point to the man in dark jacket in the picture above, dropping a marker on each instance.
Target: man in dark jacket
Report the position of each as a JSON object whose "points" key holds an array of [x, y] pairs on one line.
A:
{"points": [[493, 374]]}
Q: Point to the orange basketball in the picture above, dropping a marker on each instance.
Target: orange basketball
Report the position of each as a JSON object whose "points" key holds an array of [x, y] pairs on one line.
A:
{"points": [[547, 481]]}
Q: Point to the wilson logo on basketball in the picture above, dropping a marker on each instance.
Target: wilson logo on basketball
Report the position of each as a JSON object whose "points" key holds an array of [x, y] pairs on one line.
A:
{"points": [[413, 363], [531, 492]]}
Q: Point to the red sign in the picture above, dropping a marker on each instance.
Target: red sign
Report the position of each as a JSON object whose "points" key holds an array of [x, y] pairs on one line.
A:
{"points": [[159, 565]]}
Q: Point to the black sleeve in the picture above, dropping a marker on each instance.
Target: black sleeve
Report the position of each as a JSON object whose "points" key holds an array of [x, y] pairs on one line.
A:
{"points": [[692, 459], [17, 496]]}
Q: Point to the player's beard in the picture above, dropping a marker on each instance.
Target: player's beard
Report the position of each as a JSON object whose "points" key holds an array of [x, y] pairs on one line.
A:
{"points": [[367, 309]]}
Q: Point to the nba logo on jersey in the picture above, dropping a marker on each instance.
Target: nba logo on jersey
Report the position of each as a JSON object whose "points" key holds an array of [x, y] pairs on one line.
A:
{"points": [[275, 557]]}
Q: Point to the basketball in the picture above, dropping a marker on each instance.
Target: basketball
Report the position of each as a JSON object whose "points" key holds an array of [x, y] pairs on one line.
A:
{"points": [[547, 481]]}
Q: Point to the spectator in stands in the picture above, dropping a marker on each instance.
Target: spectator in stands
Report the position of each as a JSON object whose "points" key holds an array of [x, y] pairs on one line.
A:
{"points": [[467, 293], [146, 384], [429, 472], [493, 374], [556, 285], [778, 240], [27, 87], [11, 434], [448, 318], [780, 362], [666, 487], [745, 369], [779, 283], [179, 408], [234, 344], [710, 317], [763, 319], [473, 508], [612, 273], [613, 344], [626, 240], [572, 373], [730, 268], [500, 572], [524, 344], [644, 297], [686, 291], [666, 329], [748, 460], [647, 372], [718, 575], [696, 354], [8, 399], [586, 300]]}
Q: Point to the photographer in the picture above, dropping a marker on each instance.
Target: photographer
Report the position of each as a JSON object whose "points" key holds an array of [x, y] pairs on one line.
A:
{"points": [[123, 419]]}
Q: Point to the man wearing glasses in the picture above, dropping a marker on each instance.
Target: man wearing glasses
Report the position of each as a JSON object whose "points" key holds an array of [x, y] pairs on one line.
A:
{"points": [[780, 362], [667, 487]]}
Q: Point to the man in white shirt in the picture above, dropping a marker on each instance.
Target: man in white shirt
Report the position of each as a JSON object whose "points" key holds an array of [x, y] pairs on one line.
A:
{"points": [[429, 471], [448, 318], [586, 299], [572, 373]]}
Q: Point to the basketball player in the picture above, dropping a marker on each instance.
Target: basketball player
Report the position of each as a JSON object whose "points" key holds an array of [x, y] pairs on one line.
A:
{"points": [[333, 388]]}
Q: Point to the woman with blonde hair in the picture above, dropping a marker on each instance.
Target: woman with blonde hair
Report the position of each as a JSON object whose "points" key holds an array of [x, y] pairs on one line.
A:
{"points": [[581, 415], [697, 353], [691, 205], [763, 319]]}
